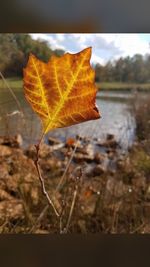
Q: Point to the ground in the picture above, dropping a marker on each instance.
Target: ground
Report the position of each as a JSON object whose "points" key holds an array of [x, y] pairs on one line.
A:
{"points": [[107, 201]]}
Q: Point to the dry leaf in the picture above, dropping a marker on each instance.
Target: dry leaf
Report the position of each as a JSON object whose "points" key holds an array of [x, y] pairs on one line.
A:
{"points": [[62, 92], [70, 142]]}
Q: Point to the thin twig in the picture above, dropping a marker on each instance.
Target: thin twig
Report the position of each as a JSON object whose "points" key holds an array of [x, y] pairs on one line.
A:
{"points": [[16, 100], [138, 228], [11, 91], [57, 189], [71, 210], [50, 202], [34, 227], [59, 186], [61, 217], [78, 179], [36, 162]]}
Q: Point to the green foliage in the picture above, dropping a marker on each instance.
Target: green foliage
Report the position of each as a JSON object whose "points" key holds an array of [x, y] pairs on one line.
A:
{"points": [[8, 50], [129, 69], [15, 50]]}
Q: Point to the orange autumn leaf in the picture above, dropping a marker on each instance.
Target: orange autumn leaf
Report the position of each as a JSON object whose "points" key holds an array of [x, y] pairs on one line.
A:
{"points": [[70, 142], [88, 193], [62, 92]]}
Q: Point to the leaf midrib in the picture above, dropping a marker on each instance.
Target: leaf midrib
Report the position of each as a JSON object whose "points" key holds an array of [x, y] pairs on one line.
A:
{"points": [[64, 97]]}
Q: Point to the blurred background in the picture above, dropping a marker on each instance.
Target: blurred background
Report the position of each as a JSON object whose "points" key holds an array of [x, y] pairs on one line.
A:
{"points": [[121, 62], [112, 152]]}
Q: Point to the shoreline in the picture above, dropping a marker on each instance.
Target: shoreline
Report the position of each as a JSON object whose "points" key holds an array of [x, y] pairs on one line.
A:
{"points": [[17, 83], [117, 86]]}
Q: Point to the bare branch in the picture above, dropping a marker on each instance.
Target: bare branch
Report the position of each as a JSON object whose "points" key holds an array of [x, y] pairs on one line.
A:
{"points": [[71, 210], [78, 179], [11, 91], [60, 184], [36, 162]]}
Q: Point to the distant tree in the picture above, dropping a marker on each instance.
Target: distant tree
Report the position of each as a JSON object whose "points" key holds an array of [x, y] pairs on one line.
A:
{"points": [[15, 50], [8, 50], [128, 69], [58, 52]]}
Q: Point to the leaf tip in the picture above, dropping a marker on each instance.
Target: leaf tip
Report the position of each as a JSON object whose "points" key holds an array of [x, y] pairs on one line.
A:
{"points": [[88, 51], [97, 112]]}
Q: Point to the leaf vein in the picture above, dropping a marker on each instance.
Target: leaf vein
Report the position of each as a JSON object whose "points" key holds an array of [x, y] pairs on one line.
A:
{"points": [[62, 101], [41, 89]]}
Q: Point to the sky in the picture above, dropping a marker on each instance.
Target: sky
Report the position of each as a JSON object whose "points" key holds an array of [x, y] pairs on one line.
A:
{"points": [[105, 47]]}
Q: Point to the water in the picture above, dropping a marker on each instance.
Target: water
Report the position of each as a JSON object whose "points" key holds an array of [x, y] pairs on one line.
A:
{"points": [[116, 118]]}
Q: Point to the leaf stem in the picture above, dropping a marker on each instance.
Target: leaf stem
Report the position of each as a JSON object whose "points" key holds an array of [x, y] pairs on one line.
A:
{"points": [[36, 162]]}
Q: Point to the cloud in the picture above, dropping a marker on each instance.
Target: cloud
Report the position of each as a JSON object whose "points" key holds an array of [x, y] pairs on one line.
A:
{"points": [[53, 41], [129, 44], [105, 46]]}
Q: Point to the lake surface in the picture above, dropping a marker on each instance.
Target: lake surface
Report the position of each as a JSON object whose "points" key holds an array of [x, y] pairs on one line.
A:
{"points": [[116, 118]]}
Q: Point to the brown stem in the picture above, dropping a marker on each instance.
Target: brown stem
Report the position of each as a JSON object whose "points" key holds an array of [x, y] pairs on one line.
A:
{"points": [[36, 162], [60, 184], [34, 227], [78, 180], [61, 217], [71, 210]]}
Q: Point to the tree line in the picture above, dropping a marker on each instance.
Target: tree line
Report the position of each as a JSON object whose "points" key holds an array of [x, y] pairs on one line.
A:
{"points": [[15, 49], [128, 69]]}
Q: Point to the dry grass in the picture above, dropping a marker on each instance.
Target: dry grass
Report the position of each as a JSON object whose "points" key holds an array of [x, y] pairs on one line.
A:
{"points": [[142, 116]]}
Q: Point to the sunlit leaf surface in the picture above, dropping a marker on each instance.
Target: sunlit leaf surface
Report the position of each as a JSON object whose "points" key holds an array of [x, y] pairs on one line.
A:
{"points": [[62, 92]]}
